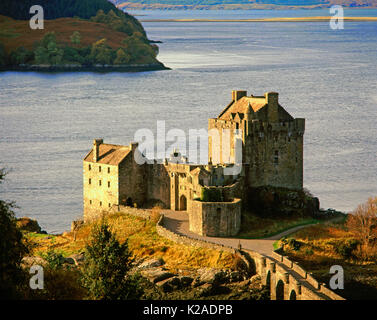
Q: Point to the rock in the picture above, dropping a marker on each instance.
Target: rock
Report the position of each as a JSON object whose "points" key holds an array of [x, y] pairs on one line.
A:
{"points": [[77, 258], [156, 275], [243, 284], [30, 261], [186, 281], [69, 260], [205, 289], [27, 224], [235, 276], [212, 275], [151, 263], [255, 278], [170, 284]]}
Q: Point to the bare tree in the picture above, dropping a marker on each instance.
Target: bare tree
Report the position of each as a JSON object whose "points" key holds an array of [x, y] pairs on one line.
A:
{"points": [[363, 221]]}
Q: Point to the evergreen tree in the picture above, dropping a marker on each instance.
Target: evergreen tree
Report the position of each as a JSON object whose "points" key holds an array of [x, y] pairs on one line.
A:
{"points": [[106, 266]]}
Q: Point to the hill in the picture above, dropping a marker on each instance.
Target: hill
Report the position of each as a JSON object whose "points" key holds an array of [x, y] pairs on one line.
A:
{"points": [[82, 34], [241, 4]]}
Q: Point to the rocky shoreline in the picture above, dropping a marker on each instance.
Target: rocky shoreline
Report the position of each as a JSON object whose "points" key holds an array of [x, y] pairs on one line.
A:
{"points": [[80, 68]]}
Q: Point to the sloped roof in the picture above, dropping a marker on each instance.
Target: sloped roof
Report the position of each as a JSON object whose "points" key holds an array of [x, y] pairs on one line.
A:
{"points": [[255, 105], [109, 154], [199, 170]]}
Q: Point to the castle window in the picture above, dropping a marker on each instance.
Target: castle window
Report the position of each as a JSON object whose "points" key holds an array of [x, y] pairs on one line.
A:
{"points": [[100, 203], [99, 168], [100, 183], [108, 170], [90, 167], [90, 181], [108, 184], [276, 157], [237, 126], [90, 201], [109, 204]]}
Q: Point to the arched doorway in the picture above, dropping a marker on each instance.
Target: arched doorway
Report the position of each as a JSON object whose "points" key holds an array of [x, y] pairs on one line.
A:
{"points": [[182, 203], [280, 290], [292, 295]]}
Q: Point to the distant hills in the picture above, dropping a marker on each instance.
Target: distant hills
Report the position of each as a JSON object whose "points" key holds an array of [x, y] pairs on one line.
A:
{"points": [[241, 4]]}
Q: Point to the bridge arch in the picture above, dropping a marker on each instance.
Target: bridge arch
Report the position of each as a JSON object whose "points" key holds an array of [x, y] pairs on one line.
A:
{"points": [[280, 290]]}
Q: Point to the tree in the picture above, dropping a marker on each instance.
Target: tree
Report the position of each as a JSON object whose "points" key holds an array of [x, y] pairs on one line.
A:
{"points": [[122, 57], [48, 52], [106, 266], [101, 53], [12, 250], [363, 221], [21, 56], [75, 38]]}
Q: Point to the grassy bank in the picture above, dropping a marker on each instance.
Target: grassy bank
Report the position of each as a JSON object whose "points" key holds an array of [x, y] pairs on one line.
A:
{"points": [[143, 241], [256, 227], [319, 247]]}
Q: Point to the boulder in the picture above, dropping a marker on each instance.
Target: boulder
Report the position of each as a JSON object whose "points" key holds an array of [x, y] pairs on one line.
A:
{"points": [[169, 284], [30, 261], [69, 260], [255, 278], [77, 258], [235, 276], [205, 289], [186, 281], [151, 263], [155, 275], [212, 275]]}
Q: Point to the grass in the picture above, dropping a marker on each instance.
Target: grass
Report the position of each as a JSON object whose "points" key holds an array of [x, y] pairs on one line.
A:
{"points": [[318, 252], [255, 227], [16, 33], [144, 242]]}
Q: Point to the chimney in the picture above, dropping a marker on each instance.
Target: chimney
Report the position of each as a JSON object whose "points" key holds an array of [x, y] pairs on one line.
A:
{"points": [[272, 99], [96, 144], [238, 94]]}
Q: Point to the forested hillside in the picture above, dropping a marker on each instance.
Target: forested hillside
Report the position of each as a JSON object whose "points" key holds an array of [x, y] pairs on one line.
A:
{"points": [[76, 32]]}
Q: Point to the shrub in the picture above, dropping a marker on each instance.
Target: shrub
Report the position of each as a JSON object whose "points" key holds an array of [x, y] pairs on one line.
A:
{"points": [[346, 248], [54, 259], [12, 250], [294, 244]]}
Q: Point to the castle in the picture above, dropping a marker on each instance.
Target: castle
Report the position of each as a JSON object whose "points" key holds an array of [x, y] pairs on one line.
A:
{"points": [[272, 155]]}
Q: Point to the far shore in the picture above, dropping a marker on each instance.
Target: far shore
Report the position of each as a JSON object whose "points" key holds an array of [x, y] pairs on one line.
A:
{"points": [[298, 19]]}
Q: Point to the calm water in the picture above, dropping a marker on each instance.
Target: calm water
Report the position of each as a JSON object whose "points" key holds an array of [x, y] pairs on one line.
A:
{"points": [[48, 121]]}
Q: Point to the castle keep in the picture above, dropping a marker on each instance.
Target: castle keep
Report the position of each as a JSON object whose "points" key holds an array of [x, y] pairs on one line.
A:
{"points": [[272, 155]]}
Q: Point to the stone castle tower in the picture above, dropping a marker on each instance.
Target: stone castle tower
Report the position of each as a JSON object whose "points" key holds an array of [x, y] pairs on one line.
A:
{"points": [[272, 140]]}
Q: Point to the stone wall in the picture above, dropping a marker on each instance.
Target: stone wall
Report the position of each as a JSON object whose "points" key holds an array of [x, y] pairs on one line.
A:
{"points": [[215, 218], [186, 240]]}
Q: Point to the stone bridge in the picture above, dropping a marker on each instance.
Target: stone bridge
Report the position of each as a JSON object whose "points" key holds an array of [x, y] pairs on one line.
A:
{"points": [[285, 278]]}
